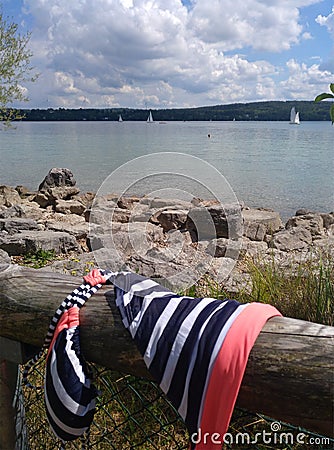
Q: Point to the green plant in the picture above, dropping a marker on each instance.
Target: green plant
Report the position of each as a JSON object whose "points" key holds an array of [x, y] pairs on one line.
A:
{"points": [[39, 258], [326, 95], [303, 290]]}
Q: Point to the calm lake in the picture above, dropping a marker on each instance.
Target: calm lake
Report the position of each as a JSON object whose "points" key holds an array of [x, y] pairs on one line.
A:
{"points": [[267, 164]]}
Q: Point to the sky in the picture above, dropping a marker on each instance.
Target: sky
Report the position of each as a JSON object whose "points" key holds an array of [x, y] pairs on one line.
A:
{"points": [[174, 53]]}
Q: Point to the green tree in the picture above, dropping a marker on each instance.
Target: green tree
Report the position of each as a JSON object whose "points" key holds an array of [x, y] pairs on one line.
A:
{"points": [[15, 68], [326, 95]]}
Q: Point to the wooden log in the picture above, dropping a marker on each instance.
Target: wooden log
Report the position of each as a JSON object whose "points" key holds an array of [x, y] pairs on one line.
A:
{"points": [[289, 375]]}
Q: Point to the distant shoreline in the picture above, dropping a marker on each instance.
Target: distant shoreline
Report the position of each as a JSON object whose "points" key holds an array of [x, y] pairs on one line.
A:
{"points": [[256, 111]]}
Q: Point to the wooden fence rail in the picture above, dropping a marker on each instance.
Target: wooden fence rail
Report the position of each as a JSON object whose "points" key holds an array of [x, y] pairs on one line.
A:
{"points": [[289, 375]]}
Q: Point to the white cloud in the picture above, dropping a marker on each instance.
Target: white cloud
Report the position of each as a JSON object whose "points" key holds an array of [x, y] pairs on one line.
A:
{"points": [[159, 53], [327, 21], [303, 79]]}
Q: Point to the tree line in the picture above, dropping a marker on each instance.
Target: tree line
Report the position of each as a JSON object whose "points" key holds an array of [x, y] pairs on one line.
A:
{"points": [[261, 111]]}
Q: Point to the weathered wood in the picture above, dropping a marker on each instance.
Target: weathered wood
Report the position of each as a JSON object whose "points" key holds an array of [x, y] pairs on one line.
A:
{"points": [[289, 375], [8, 377]]}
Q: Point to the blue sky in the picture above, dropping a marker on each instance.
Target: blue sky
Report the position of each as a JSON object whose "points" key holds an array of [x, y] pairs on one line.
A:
{"points": [[173, 53]]}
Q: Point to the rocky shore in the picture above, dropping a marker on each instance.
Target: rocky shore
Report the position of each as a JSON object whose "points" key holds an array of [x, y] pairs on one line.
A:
{"points": [[173, 240]]}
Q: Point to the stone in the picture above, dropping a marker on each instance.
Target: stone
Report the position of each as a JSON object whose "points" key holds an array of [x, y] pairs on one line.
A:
{"points": [[69, 207], [269, 219], [16, 224], [12, 211], [50, 196], [296, 238], [57, 178], [328, 219], [172, 219], [311, 222], [9, 196], [254, 248], [217, 247], [79, 230], [165, 203], [23, 191], [31, 241], [255, 231], [42, 199], [303, 212], [127, 202], [4, 257], [215, 221]]}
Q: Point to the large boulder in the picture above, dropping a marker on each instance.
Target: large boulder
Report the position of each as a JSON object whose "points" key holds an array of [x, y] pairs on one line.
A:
{"points": [[17, 224], [296, 238], [31, 241], [57, 178], [312, 222], [269, 222], [215, 221]]}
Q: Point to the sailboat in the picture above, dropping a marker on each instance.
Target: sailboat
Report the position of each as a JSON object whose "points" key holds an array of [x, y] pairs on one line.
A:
{"points": [[150, 118], [294, 116], [120, 119]]}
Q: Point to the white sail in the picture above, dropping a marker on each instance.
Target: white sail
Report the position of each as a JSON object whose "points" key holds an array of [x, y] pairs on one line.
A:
{"points": [[294, 116], [120, 118], [150, 118]]}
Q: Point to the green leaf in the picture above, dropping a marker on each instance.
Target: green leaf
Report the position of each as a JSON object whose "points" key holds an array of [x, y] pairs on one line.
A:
{"points": [[331, 112], [323, 96], [331, 87]]}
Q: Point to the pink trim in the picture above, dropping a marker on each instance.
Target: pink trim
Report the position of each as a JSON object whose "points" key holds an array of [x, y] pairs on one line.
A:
{"points": [[69, 319], [228, 372], [94, 277]]}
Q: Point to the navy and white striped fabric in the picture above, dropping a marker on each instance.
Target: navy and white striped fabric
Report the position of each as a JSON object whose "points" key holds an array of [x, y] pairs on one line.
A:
{"points": [[69, 393], [179, 337], [195, 348]]}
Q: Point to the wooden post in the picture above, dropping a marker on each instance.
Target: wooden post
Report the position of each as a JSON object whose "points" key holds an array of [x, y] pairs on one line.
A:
{"points": [[289, 375], [11, 355]]}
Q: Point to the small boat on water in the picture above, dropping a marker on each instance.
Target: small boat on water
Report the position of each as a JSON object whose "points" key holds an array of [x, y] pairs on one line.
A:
{"points": [[120, 119], [294, 116], [150, 118]]}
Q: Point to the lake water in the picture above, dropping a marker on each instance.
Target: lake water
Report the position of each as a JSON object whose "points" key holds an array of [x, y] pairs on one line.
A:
{"points": [[266, 164]]}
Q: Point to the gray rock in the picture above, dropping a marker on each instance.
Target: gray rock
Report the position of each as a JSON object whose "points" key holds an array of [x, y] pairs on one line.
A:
{"points": [[222, 247], [165, 203], [303, 212], [50, 196], [4, 257], [328, 219], [12, 211], [29, 210], [311, 222], [31, 241], [16, 224], [172, 219], [270, 219], [57, 177], [296, 238], [70, 207], [255, 231], [254, 248], [79, 230], [215, 221], [9, 196]]}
